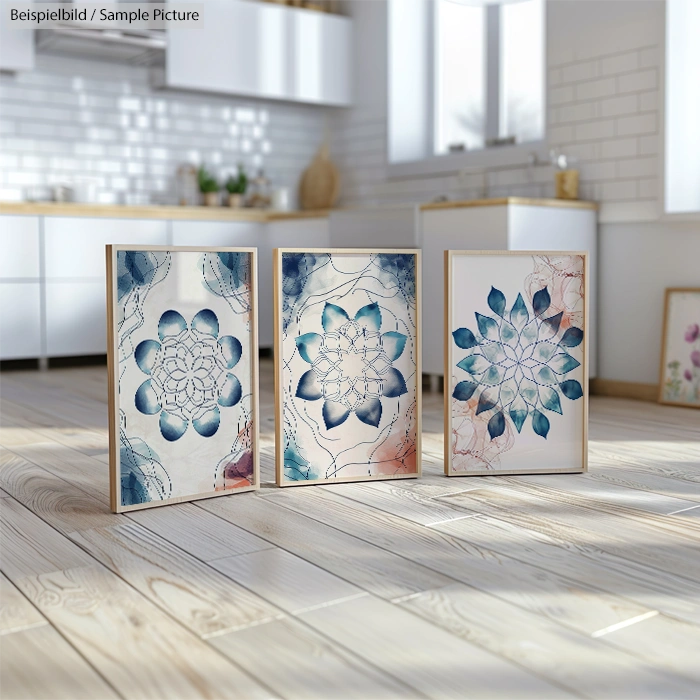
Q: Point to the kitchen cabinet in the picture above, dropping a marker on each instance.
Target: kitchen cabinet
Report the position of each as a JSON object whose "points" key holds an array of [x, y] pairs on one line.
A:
{"points": [[52, 267], [16, 45], [75, 273], [19, 246], [20, 288], [506, 224], [76, 318], [75, 246], [263, 50], [20, 320], [217, 233]]}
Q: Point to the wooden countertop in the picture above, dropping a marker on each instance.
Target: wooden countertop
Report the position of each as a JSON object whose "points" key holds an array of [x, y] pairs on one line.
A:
{"points": [[503, 201], [115, 211]]}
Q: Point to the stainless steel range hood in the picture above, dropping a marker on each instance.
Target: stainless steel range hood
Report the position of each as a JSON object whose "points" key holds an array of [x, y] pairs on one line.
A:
{"points": [[117, 42]]}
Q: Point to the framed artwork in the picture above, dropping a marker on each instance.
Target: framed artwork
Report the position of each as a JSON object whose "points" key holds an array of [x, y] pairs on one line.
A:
{"points": [[516, 379], [347, 365], [679, 382], [182, 357]]}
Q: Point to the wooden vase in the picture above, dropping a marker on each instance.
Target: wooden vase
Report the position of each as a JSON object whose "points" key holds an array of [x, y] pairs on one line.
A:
{"points": [[566, 182]]}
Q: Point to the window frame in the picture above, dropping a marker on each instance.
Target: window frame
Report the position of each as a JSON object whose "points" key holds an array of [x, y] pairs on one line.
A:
{"points": [[488, 157]]}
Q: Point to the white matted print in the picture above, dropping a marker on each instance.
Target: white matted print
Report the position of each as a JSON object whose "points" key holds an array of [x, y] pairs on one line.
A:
{"points": [[182, 358], [516, 396], [347, 353], [680, 352]]}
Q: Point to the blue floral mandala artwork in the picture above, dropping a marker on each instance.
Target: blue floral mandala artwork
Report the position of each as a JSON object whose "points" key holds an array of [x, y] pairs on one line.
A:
{"points": [[351, 365], [517, 363], [189, 374]]}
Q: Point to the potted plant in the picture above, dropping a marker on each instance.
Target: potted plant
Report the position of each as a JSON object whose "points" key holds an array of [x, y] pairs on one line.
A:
{"points": [[236, 186], [208, 186]]}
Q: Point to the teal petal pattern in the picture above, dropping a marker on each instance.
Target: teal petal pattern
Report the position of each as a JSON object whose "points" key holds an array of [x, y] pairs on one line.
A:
{"points": [[517, 363], [351, 365], [189, 375]]}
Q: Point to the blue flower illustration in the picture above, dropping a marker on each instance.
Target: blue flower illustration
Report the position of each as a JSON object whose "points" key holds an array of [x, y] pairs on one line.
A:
{"points": [[189, 375], [518, 363], [351, 365]]}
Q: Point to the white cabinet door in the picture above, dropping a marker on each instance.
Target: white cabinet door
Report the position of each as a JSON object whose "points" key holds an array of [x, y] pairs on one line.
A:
{"points": [[469, 228], [245, 234], [75, 247], [263, 50], [76, 318], [19, 243], [20, 287], [321, 46], [16, 45], [75, 277], [20, 320]]}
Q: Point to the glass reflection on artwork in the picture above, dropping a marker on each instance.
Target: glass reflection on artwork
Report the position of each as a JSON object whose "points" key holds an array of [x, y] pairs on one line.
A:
{"points": [[349, 365]]}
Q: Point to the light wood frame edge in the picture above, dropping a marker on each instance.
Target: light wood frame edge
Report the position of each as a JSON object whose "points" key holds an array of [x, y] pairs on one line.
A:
{"points": [[667, 301], [113, 381], [277, 353], [447, 379]]}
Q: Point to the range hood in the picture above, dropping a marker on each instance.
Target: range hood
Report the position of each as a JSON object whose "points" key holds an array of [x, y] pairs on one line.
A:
{"points": [[115, 42]]}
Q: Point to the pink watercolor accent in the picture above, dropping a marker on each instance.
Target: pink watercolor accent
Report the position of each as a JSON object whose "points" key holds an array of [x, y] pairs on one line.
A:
{"points": [[692, 334]]}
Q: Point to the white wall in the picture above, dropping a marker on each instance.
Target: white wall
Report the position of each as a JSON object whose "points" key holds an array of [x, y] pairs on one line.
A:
{"points": [[605, 63], [72, 119]]}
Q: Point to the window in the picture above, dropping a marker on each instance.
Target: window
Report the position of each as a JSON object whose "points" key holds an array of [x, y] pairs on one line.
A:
{"points": [[465, 76]]}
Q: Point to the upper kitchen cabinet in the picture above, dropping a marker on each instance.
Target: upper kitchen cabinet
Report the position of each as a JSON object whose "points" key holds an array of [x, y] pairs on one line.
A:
{"points": [[16, 45], [257, 49]]}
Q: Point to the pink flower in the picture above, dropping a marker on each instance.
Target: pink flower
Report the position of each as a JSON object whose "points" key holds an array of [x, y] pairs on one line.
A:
{"points": [[695, 357], [688, 375], [692, 334]]}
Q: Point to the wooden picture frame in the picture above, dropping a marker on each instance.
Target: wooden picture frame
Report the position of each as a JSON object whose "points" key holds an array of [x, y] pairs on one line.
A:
{"points": [[285, 393], [215, 278], [679, 368], [481, 456]]}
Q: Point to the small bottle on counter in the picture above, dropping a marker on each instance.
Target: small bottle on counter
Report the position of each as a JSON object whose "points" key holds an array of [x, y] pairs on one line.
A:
{"points": [[260, 191]]}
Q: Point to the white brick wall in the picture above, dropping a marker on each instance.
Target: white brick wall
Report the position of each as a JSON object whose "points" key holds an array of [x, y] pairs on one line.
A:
{"points": [[603, 110], [71, 120]]}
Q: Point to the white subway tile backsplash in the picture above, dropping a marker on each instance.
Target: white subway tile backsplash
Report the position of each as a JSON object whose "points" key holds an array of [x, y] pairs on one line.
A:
{"points": [[620, 190], [637, 167], [648, 101], [614, 106], [618, 148], [637, 81], [595, 89], [584, 70], [640, 124], [594, 130], [621, 63], [650, 57], [648, 189], [604, 170], [81, 119], [561, 95], [648, 145], [583, 111]]}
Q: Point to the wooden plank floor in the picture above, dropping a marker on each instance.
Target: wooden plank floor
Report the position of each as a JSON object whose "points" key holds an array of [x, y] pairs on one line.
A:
{"points": [[489, 587]]}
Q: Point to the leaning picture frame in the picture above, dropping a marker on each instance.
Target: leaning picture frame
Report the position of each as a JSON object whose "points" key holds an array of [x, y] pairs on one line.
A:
{"points": [[516, 362], [679, 369], [347, 365], [182, 354]]}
